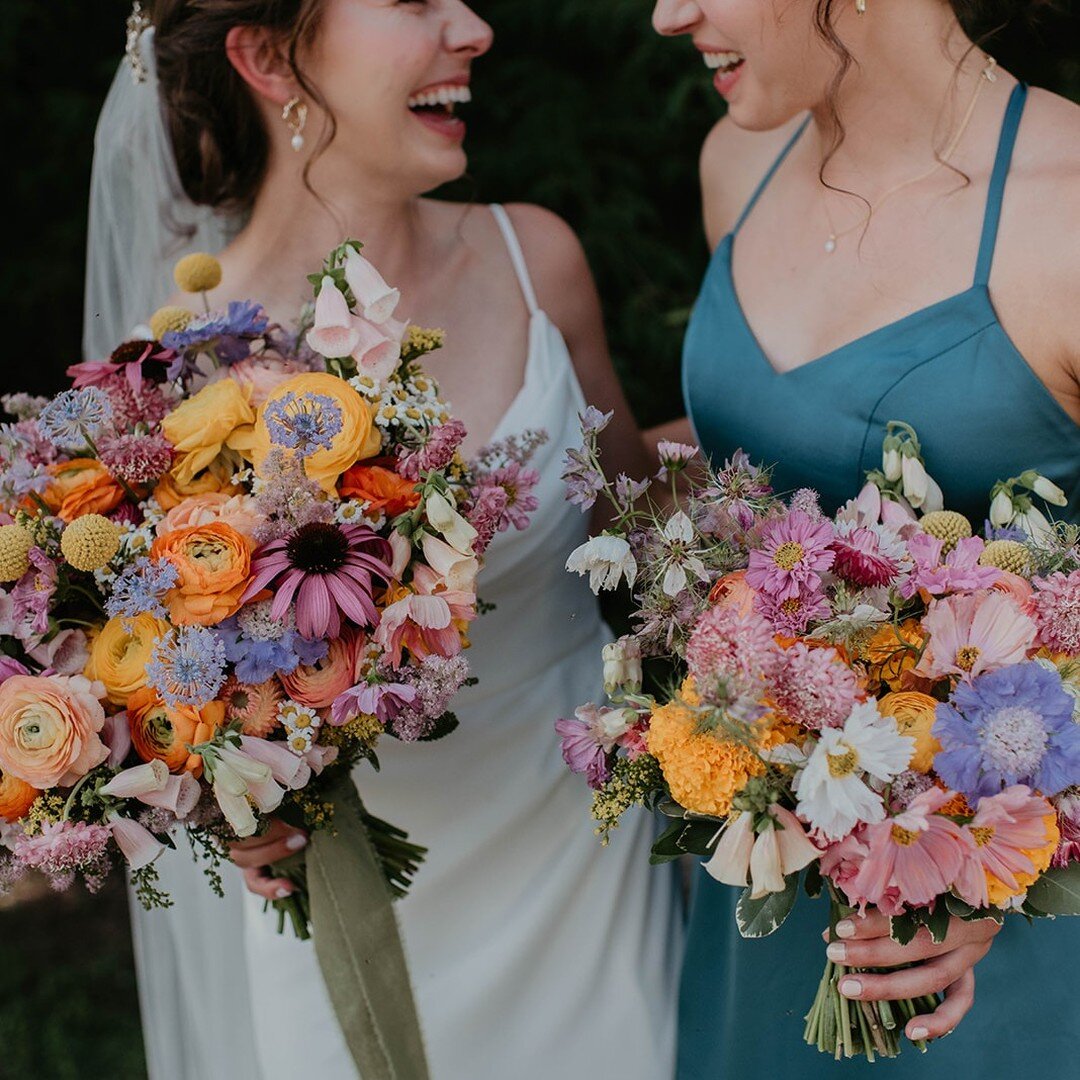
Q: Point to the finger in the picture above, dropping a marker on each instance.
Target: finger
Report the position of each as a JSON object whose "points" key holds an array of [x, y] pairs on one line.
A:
{"points": [[930, 977], [269, 888], [959, 997], [268, 851], [275, 830], [872, 924], [884, 952]]}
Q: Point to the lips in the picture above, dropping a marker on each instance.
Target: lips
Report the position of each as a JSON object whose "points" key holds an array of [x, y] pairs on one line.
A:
{"points": [[434, 106]]}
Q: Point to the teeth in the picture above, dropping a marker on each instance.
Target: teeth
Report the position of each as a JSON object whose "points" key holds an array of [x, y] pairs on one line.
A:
{"points": [[718, 60], [441, 95]]}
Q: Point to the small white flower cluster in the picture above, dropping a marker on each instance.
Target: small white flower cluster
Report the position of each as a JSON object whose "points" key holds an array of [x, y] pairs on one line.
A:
{"points": [[355, 511], [135, 541], [409, 404], [301, 724]]}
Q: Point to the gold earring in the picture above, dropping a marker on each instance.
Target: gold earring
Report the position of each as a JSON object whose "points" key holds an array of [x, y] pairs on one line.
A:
{"points": [[295, 116], [860, 6]]}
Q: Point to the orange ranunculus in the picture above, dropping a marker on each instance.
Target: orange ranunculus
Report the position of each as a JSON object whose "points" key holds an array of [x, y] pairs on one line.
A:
{"points": [[214, 564], [81, 486], [16, 797], [237, 511], [317, 685], [381, 488], [893, 651], [158, 731], [120, 653], [731, 591], [49, 730], [914, 714], [169, 493]]}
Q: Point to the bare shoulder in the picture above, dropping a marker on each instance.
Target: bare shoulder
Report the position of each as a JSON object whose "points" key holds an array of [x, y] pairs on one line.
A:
{"points": [[733, 161]]}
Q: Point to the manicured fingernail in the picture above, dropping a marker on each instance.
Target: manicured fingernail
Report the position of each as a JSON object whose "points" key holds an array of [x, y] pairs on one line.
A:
{"points": [[296, 841], [845, 928], [918, 1033], [837, 951], [282, 893], [851, 988]]}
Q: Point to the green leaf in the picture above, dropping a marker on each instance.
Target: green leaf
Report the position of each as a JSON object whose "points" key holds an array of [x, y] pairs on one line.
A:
{"points": [[813, 883], [937, 922], [902, 928], [958, 907], [446, 723], [1057, 892], [666, 847], [759, 918]]}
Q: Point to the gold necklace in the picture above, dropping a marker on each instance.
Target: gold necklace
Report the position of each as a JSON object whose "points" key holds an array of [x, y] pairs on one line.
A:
{"points": [[986, 75]]}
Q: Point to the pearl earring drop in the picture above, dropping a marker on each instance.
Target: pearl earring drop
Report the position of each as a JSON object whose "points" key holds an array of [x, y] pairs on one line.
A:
{"points": [[295, 116]]}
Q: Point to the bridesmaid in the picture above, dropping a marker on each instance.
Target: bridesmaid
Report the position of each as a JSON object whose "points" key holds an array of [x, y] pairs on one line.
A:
{"points": [[894, 228]]}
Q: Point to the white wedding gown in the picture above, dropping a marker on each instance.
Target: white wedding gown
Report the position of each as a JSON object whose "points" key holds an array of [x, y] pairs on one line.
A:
{"points": [[534, 953]]}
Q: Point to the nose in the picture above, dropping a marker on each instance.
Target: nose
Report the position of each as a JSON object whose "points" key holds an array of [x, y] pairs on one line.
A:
{"points": [[673, 17], [466, 32]]}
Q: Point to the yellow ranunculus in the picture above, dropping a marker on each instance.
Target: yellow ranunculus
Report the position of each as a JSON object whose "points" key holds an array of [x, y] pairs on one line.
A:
{"points": [[199, 427], [914, 714], [358, 439], [120, 654]]}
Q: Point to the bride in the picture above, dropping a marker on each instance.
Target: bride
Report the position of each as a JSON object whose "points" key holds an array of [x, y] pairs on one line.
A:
{"points": [[533, 953]]}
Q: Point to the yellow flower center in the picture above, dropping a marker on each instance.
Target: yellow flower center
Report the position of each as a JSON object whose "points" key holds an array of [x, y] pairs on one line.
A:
{"points": [[213, 554], [966, 656], [903, 837], [791, 605], [843, 764], [788, 555], [38, 728], [982, 834]]}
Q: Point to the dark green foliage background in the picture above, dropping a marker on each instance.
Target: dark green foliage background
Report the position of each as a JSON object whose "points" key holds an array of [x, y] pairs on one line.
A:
{"points": [[580, 107]]}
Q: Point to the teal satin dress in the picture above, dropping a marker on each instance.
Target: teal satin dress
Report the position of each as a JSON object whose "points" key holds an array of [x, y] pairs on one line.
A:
{"points": [[952, 372]]}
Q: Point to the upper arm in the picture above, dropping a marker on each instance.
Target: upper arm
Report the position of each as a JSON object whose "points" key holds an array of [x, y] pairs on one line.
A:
{"points": [[567, 292]]}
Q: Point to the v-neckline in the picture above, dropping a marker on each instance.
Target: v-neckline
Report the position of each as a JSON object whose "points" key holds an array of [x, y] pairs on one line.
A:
{"points": [[868, 340]]}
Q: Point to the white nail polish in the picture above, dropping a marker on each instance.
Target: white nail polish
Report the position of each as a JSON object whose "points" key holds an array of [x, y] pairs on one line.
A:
{"points": [[918, 1034], [837, 952], [845, 928], [851, 988], [282, 893], [296, 841]]}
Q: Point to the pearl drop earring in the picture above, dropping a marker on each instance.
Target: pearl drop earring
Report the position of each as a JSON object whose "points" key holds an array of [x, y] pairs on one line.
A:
{"points": [[295, 116]]}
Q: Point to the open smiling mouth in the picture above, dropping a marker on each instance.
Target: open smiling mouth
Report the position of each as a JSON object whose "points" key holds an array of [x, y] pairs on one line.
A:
{"points": [[725, 63], [438, 103]]}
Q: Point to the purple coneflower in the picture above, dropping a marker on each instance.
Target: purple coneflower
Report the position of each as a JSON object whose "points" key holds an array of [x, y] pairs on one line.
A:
{"points": [[328, 569]]}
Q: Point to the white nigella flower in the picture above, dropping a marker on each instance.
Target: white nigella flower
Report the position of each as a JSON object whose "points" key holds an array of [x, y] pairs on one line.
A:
{"points": [[679, 532], [606, 559], [833, 795]]}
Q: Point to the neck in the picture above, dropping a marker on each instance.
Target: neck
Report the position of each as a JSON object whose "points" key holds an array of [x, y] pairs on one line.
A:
{"points": [[902, 100]]}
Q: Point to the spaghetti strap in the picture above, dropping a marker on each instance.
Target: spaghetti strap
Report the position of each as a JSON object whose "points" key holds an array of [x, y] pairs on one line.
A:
{"points": [[764, 182], [994, 195], [517, 256]]}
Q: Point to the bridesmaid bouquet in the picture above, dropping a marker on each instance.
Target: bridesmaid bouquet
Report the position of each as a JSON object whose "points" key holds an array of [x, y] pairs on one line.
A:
{"points": [[881, 704], [233, 559]]}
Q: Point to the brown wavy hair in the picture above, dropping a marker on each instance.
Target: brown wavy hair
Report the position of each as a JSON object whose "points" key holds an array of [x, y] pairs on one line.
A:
{"points": [[217, 132]]}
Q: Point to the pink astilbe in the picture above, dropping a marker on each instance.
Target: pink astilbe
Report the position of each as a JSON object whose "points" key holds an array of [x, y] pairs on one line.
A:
{"points": [[919, 853], [814, 687], [1004, 829], [63, 849], [1056, 607], [794, 553], [974, 632]]}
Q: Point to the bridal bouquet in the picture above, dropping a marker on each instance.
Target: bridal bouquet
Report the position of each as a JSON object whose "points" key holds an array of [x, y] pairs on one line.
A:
{"points": [[880, 703], [234, 558]]}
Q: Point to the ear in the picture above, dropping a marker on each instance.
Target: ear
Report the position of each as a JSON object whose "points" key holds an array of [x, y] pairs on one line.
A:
{"points": [[259, 58]]}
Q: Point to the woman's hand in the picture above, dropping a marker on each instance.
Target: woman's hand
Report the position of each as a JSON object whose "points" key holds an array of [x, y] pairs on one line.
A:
{"points": [[947, 967], [254, 855]]}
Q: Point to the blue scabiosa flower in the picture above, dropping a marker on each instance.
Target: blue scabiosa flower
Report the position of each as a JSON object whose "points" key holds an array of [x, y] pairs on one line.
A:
{"points": [[261, 646], [76, 416], [187, 666], [229, 335], [304, 423], [139, 589], [1010, 726]]}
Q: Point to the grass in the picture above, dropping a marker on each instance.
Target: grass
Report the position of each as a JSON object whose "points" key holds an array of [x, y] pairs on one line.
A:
{"points": [[68, 1007]]}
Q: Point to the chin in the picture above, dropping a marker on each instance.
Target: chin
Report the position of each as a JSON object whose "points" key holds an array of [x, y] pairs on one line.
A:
{"points": [[757, 115], [434, 170]]}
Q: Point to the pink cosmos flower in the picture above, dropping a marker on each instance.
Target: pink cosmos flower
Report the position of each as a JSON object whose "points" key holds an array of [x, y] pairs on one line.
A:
{"points": [[1004, 828], [329, 569], [960, 571], [918, 852], [425, 622], [1056, 607], [582, 751], [794, 553], [793, 615], [974, 632], [382, 700]]}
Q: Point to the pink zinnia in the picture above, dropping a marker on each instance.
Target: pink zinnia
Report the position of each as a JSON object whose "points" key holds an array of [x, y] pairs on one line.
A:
{"points": [[726, 642], [793, 615], [1004, 829], [960, 571], [919, 853], [1056, 607], [328, 568], [974, 632], [814, 687], [794, 552]]}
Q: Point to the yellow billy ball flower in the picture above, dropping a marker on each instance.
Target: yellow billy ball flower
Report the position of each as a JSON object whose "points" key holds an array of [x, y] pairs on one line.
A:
{"points": [[90, 541], [946, 525], [197, 272], [169, 319], [15, 545], [1009, 555]]}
